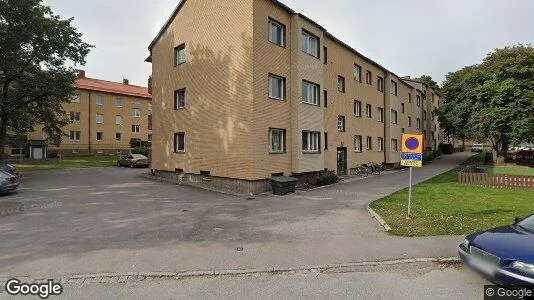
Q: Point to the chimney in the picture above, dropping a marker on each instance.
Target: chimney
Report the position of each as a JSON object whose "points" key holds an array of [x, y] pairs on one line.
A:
{"points": [[125, 81], [81, 74]]}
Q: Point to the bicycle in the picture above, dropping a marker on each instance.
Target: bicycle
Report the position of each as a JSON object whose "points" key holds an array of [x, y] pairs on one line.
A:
{"points": [[362, 170]]}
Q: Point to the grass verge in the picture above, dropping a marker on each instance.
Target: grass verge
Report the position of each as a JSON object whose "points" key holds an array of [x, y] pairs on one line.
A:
{"points": [[70, 162], [441, 206], [510, 170]]}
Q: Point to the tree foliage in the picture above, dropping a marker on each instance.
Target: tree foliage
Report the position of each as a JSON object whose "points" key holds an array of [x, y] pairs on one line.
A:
{"points": [[493, 100], [426, 79], [37, 68]]}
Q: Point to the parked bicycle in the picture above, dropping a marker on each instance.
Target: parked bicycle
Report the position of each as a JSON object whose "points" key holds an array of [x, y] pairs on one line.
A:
{"points": [[376, 168], [362, 170]]}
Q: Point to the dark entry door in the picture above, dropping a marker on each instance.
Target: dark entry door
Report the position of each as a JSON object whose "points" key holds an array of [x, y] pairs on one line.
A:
{"points": [[342, 161]]}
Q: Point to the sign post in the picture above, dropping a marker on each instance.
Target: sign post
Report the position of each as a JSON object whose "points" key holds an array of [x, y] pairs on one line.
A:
{"points": [[412, 156]]}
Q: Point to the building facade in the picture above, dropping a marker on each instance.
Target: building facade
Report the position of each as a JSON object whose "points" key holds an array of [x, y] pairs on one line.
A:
{"points": [[267, 91], [106, 117]]}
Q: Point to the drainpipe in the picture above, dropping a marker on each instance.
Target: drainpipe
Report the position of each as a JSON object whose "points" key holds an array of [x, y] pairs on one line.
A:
{"points": [[89, 125], [386, 79]]}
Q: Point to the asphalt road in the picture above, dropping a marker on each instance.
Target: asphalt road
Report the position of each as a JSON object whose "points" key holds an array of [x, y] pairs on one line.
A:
{"points": [[65, 222]]}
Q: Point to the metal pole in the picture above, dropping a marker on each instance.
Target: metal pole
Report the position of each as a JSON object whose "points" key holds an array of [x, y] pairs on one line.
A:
{"points": [[410, 195]]}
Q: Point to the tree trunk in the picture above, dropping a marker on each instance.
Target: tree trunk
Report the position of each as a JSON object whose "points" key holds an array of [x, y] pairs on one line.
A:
{"points": [[3, 135]]}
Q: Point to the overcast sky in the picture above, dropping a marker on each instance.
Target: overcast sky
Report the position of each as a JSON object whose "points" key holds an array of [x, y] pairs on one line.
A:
{"points": [[409, 37]]}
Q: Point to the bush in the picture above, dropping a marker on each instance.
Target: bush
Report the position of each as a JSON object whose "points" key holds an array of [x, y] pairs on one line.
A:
{"points": [[446, 148], [141, 150], [326, 178]]}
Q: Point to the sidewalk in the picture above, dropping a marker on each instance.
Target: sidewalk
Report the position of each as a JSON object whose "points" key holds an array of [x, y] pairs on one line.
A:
{"points": [[321, 227]]}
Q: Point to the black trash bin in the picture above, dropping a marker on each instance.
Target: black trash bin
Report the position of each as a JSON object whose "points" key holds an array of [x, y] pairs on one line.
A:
{"points": [[283, 185]]}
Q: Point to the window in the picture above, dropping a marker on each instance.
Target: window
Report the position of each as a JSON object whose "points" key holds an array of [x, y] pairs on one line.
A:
{"points": [[310, 141], [424, 114], [76, 98], [75, 135], [380, 84], [394, 145], [369, 143], [149, 137], [393, 88], [136, 128], [409, 121], [357, 143], [393, 116], [277, 33], [149, 107], [341, 123], [325, 54], [118, 120], [277, 87], [369, 77], [380, 114], [74, 116], [341, 84], [309, 44], [136, 112], [179, 142], [403, 130], [381, 144], [326, 141], [277, 140], [357, 72], [357, 108], [368, 111], [409, 97], [118, 102], [99, 119], [418, 100], [118, 136], [179, 99], [402, 107], [99, 136], [418, 123], [325, 98], [310, 93], [136, 103], [179, 55], [99, 100]]}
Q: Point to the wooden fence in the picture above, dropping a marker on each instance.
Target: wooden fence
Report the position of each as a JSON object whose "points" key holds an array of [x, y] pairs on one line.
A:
{"points": [[496, 180]]}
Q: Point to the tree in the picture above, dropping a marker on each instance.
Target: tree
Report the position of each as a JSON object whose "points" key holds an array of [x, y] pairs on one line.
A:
{"points": [[493, 100], [35, 81], [429, 81]]}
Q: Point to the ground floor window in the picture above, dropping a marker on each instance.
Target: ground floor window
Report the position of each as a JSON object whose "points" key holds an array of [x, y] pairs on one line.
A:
{"points": [[179, 142], [380, 144], [311, 141], [369, 143], [118, 136], [357, 143], [394, 145], [99, 136], [75, 135], [277, 140]]}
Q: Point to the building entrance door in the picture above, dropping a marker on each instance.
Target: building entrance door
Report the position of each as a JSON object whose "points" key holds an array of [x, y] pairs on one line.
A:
{"points": [[341, 161]]}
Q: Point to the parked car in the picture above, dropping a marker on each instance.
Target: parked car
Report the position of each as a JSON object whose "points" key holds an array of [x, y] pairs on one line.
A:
{"points": [[477, 148], [505, 255], [9, 168], [8, 182], [133, 160]]}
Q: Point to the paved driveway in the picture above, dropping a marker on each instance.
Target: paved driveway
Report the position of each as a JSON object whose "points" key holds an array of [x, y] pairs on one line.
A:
{"points": [[65, 222]]}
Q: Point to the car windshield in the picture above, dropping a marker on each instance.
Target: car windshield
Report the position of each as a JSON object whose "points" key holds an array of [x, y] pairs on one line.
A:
{"points": [[138, 156], [527, 223]]}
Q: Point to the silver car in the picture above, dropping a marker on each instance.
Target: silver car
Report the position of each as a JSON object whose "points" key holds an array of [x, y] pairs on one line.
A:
{"points": [[133, 160]]}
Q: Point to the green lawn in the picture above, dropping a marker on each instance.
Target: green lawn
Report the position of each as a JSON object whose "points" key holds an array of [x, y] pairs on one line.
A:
{"points": [[70, 162], [510, 170], [441, 206]]}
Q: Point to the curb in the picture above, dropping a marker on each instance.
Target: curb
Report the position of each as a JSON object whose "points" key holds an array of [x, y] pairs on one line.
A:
{"points": [[377, 217], [129, 277], [151, 177]]}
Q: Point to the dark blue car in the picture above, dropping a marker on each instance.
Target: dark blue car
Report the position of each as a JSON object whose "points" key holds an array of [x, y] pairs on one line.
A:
{"points": [[504, 254]]}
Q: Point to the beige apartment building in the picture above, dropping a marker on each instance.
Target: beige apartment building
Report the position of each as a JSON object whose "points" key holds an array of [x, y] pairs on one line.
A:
{"points": [[244, 90], [106, 117]]}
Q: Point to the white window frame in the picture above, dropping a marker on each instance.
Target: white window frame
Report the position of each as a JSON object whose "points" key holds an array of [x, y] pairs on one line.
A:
{"points": [[380, 144], [100, 100], [119, 102], [310, 90], [394, 117], [176, 142], [278, 27], [418, 101], [76, 98], [75, 116], [177, 104], [380, 111], [282, 140], [313, 142], [369, 77], [102, 136], [179, 55], [307, 46], [368, 110], [418, 123], [136, 128], [357, 108], [357, 72], [99, 119], [358, 143], [341, 84], [380, 84], [394, 88], [281, 81], [75, 135], [136, 112], [394, 145], [369, 143], [119, 120], [341, 124]]}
